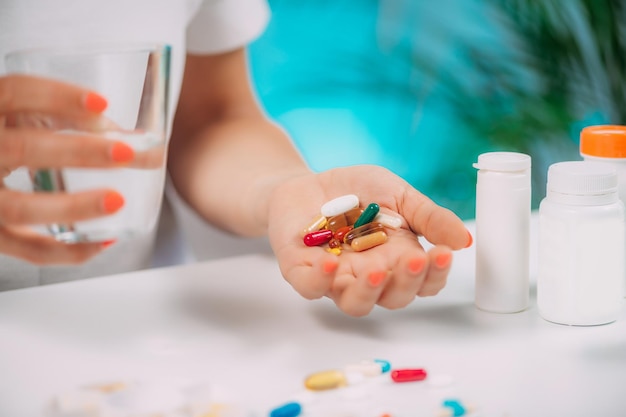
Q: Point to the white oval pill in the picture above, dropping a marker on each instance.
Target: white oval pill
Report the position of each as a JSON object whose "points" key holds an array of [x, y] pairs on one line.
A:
{"points": [[339, 205], [366, 368], [392, 222]]}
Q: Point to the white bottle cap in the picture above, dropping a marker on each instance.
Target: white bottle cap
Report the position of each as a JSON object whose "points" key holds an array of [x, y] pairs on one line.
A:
{"points": [[503, 161], [582, 178]]}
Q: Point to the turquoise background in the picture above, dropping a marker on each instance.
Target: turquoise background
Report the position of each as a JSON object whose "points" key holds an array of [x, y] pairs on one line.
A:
{"points": [[363, 81]]}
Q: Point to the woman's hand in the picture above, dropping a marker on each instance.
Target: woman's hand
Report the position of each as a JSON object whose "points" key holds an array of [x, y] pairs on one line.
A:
{"points": [[29, 107], [389, 275]]}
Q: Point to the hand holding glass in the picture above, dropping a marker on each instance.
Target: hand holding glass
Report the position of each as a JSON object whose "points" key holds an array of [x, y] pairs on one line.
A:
{"points": [[134, 79]]}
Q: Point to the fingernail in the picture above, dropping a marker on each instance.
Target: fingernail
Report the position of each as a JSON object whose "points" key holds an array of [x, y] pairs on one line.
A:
{"points": [[108, 243], [376, 278], [330, 267], [416, 265], [113, 202], [443, 260], [470, 239], [121, 152], [95, 102]]}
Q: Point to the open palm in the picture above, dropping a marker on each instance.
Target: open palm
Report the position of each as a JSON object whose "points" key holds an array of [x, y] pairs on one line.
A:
{"points": [[391, 274]]}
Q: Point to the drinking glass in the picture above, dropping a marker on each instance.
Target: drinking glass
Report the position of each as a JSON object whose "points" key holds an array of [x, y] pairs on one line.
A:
{"points": [[135, 81]]}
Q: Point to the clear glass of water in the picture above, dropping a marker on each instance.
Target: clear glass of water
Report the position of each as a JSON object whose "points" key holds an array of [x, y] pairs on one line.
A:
{"points": [[135, 81]]}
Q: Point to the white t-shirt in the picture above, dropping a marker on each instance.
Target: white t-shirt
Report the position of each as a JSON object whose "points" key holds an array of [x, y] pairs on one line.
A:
{"points": [[196, 26]]}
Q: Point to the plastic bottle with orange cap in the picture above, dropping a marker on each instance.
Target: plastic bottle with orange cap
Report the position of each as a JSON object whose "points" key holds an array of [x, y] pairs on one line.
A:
{"points": [[606, 143]]}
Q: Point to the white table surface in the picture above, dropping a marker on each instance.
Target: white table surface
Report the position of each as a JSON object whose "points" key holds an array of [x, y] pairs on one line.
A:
{"points": [[236, 323]]}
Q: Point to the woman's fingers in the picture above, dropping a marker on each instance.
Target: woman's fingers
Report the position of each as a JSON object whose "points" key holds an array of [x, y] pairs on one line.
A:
{"points": [[38, 148], [23, 93], [440, 261], [312, 276], [408, 276], [437, 224], [44, 250], [361, 293], [17, 208]]}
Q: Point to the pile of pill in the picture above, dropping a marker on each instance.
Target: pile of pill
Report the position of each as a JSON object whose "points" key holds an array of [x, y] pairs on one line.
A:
{"points": [[163, 398], [343, 223], [359, 374]]}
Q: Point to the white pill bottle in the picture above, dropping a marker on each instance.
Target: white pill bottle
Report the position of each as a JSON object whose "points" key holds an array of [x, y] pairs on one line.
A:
{"points": [[503, 193], [607, 144], [581, 245]]}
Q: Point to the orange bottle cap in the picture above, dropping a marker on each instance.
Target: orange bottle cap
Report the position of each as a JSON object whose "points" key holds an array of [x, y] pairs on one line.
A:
{"points": [[604, 141]]}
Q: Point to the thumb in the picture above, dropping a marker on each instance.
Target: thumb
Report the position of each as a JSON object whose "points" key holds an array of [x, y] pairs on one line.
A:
{"points": [[439, 225]]}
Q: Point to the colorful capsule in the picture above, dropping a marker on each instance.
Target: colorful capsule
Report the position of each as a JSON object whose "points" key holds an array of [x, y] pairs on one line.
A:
{"points": [[344, 219], [456, 408], [325, 380], [317, 238], [368, 215], [339, 205], [334, 251], [334, 243], [292, 409], [385, 366], [317, 223], [387, 220], [368, 241], [364, 230], [365, 368], [408, 375], [341, 233]]}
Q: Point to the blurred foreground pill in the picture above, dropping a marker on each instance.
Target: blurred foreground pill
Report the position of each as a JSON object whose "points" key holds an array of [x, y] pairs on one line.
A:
{"points": [[291, 409], [385, 366], [78, 402], [455, 408], [408, 375], [366, 368], [325, 380]]}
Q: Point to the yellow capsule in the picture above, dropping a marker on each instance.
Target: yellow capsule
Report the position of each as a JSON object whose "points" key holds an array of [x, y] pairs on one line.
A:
{"points": [[334, 251], [325, 380], [369, 241], [317, 223], [108, 388]]}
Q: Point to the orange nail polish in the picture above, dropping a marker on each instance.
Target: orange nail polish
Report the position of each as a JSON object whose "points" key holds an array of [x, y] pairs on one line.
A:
{"points": [[416, 265], [376, 278], [108, 243], [121, 152], [95, 102], [470, 239], [330, 267], [113, 202], [443, 260]]}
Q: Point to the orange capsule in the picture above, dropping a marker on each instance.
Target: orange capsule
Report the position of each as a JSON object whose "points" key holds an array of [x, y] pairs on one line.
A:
{"points": [[341, 233], [334, 243], [368, 241], [366, 229]]}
